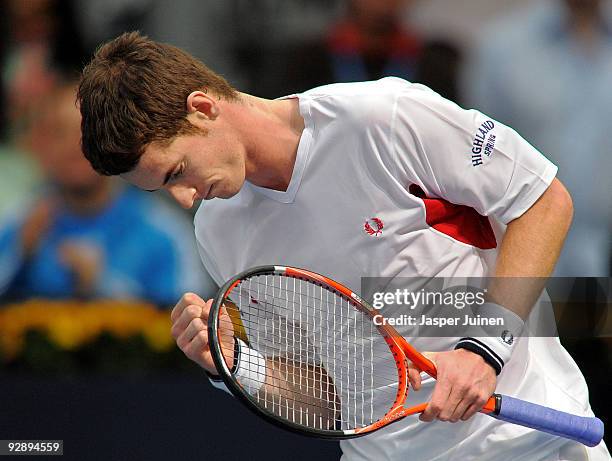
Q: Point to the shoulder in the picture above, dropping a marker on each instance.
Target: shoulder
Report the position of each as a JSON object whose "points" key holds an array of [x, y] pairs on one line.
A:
{"points": [[372, 87], [357, 93], [356, 103], [15, 214]]}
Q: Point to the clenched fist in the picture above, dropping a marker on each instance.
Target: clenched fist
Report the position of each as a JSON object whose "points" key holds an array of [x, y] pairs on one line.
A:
{"points": [[189, 329]]}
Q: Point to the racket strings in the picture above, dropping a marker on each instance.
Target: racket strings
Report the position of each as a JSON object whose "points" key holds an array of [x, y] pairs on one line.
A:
{"points": [[327, 366], [298, 379], [248, 323], [322, 393], [278, 332]]}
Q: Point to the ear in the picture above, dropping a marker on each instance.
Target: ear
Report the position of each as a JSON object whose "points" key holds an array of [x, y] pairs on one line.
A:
{"points": [[202, 105]]}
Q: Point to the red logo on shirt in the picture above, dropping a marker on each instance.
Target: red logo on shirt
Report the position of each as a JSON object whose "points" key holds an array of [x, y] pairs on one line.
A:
{"points": [[373, 226]]}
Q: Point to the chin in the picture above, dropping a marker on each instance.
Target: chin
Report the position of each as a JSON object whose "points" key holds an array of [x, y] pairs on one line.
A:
{"points": [[227, 193]]}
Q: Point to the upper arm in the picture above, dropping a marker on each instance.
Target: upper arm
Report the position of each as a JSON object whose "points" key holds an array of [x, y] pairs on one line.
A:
{"points": [[556, 199], [466, 157]]}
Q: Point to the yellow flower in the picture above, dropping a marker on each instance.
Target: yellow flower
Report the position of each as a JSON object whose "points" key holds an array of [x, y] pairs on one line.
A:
{"points": [[71, 324], [66, 332], [157, 334]]}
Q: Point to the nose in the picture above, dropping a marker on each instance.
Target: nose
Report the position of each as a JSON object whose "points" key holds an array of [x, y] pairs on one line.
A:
{"points": [[185, 196]]}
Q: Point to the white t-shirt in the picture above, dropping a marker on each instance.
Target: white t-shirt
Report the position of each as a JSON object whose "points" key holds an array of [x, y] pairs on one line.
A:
{"points": [[393, 180]]}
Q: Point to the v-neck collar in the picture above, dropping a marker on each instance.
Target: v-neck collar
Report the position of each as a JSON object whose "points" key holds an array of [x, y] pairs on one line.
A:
{"points": [[288, 196]]}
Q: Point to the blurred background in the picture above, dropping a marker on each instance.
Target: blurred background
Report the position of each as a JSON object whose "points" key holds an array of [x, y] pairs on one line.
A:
{"points": [[89, 266]]}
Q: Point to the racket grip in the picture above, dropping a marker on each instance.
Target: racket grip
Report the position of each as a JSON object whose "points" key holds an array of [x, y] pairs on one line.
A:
{"points": [[586, 430]]}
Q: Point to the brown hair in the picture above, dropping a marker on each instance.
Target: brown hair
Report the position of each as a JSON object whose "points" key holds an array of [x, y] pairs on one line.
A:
{"points": [[133, 93]]}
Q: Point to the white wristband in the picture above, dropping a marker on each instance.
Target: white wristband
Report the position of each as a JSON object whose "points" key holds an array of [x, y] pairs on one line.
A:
{"points": [[496, 343], [251, 368]]}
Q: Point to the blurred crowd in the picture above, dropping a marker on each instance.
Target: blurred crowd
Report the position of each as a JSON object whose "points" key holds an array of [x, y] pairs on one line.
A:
{"points": [[544, 67]]}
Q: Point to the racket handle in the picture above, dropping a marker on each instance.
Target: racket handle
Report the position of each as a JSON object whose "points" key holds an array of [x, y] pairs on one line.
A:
{"points": [[586, 430]]}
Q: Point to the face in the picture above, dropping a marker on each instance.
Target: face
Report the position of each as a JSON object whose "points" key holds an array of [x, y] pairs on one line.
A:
{"points": [[377, 15], [55, 141], [194, 166], [583, 7]]}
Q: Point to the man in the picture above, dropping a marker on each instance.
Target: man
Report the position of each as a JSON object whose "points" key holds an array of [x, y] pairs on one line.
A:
{"points": [[86, 236], [304, 174]]}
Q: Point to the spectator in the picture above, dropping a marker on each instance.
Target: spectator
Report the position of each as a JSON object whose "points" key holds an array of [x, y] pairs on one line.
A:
{"points": [[547, 72], [87, 236], [366, 44], [174, 21], [38, 38]]}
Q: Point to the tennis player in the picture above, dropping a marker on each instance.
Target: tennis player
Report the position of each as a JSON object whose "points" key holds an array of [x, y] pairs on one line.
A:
{"points": [[382, 178]]}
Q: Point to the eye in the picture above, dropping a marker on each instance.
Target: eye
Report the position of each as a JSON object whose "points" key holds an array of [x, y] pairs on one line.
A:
{"points": [[178, 172]]}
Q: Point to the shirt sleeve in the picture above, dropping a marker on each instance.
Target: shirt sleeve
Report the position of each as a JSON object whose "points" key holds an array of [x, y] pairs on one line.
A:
{"points": [[465, 157], [217, 383]]}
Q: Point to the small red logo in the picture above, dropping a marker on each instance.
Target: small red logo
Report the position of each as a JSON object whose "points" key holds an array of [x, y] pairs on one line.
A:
{"points": [[373, 226]]}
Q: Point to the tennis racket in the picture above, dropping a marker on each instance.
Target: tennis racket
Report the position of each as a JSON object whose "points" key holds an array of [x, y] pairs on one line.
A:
{"points": [[308, 356]]}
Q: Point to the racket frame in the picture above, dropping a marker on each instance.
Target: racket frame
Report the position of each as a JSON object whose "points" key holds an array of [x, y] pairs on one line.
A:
{"points": [[390, 335]]}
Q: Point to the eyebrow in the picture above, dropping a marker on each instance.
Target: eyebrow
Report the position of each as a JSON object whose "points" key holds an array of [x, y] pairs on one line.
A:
{"points": [[166, 179]]}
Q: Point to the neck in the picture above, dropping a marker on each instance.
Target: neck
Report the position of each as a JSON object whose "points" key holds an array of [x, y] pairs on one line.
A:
{"points": [[271, 130]]}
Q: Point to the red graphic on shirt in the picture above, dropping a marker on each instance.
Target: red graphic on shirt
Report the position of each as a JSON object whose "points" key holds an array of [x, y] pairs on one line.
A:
{"points": [[460, 222], [373, 226]]}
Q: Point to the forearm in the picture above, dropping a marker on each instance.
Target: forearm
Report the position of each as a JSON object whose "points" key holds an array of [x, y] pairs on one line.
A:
{"points": [[528, 253], [529, 250], [294, 390]]}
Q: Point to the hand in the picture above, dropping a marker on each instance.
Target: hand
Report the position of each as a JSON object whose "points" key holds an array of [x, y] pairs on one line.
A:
{"points": [[84, 260], [464, 384], [190, 331]]}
